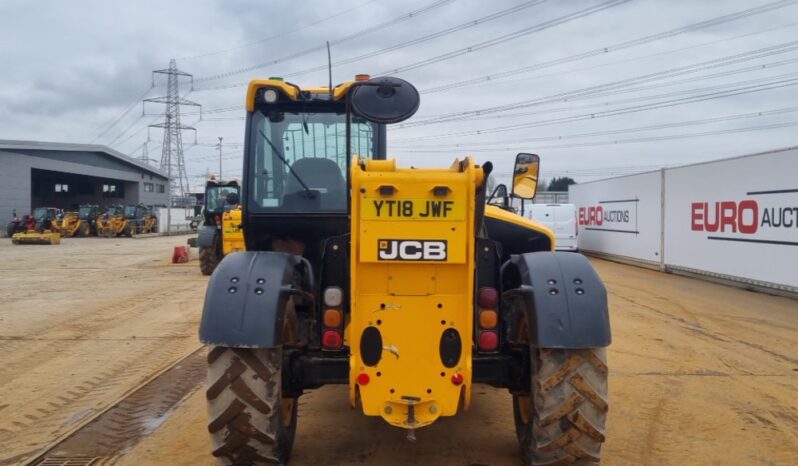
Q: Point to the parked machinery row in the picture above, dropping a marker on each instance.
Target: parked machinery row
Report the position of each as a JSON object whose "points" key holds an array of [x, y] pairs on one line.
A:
{"points": [[88, 220]]}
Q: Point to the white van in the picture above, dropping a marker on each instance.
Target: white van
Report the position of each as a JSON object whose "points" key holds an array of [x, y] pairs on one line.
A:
{"points": [[559, 218]]}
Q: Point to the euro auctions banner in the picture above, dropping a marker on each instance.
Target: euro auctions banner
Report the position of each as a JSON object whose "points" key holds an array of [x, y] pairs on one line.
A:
{"points": [[736, 217], [620, 216]]}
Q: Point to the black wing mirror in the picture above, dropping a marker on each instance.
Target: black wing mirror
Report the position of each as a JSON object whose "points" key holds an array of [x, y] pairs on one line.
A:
{"points": [[385, 100]]}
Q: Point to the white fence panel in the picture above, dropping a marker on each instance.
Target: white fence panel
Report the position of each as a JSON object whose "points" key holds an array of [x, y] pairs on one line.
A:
{"points": [[736, 218], [178, 219], [620, 216]]}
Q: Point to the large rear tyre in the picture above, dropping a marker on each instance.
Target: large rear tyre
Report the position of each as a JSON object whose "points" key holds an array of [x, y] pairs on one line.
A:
{"points": [[249, 421], [564, 420], [83, 230], [208, 259]]}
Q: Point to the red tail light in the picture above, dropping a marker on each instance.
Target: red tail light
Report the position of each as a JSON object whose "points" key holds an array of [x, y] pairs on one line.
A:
{"points": [[488, 298], [363, 379], [488, 340], [331, 339], [457, 379]]}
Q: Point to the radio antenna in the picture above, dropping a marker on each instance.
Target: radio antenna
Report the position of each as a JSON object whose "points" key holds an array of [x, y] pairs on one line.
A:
{"points": [[329, 68]]}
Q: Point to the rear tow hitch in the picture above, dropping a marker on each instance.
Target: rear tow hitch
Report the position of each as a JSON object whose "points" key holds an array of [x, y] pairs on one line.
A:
{"points": [[411, 416]]}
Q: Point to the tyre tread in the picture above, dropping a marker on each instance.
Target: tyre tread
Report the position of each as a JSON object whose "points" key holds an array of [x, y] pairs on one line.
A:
{"points": [[242, 389], [569, 407]]}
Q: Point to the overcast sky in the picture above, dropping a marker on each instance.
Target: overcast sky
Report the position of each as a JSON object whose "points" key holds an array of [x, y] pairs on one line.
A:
{"points": [[71, 69]]}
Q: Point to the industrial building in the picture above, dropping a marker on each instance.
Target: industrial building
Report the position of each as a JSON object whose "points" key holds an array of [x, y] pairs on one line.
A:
{"points": [[36, 174]]}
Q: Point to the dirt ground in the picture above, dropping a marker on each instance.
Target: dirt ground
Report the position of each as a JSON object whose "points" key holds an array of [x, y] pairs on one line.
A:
{"points": [[82, 324], [701, 373]]}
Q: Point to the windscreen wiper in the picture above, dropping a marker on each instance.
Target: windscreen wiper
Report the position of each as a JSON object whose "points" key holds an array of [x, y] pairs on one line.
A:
{"points": [[309, 192]]}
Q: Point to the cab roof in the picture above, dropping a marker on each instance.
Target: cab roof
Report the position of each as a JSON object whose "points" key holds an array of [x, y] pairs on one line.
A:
{"points": [[292, 90]]}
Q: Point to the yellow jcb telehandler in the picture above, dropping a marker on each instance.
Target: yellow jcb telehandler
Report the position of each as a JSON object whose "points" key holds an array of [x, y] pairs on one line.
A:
{"points": [[112, 223], [80, 223], [221, 224], [127, 221], [402, 283]]}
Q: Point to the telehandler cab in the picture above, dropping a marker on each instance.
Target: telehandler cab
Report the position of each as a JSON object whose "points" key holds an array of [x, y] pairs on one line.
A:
{"points": [[221, 199], [402, 283]]}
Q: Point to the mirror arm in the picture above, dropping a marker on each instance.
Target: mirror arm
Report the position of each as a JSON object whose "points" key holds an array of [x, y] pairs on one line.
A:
{"points": [[493, 194]]}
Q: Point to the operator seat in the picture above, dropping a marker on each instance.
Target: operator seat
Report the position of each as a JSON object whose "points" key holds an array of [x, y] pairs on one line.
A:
{"points": [[320, 175]]}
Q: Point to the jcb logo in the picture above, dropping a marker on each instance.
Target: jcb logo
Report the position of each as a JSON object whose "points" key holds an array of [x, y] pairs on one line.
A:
{"points": [[411, 250]]}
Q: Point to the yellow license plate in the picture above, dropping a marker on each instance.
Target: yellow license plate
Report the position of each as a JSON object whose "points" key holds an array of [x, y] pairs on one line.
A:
{"points": [[412, 209]]}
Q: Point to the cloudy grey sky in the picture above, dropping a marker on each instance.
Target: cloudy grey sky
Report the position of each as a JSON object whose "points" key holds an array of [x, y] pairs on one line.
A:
{"points": [[597, 87]]}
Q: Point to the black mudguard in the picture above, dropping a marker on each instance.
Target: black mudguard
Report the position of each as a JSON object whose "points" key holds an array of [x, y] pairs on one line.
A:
{"points": [[565, 299], [246, 296], [206, 235]]}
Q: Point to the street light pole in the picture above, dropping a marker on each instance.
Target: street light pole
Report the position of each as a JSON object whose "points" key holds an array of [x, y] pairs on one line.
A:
{"points": [[220, 158]]}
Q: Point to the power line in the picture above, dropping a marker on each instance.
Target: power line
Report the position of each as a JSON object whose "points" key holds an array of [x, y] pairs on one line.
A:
{"points": [[507, 37], [408, 16], [791, 80], [137, 132], [619, 46], [278, 35], [614, 85], [425, 38], [598, 51], [113, 142], [635, 140], [679, 124], [119, 117], [649, 87], [486, 81], [128, 128]]}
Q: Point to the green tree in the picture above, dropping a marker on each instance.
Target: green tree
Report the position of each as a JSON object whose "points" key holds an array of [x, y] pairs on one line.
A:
{"points": [[561, 183]]}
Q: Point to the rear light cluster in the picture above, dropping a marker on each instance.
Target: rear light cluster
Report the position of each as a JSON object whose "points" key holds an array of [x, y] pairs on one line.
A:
{"points": [[488, 319], [332, 318]]}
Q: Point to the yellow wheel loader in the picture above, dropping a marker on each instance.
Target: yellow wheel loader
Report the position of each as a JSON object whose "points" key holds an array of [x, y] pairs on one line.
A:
{"points": [[404, 284]]}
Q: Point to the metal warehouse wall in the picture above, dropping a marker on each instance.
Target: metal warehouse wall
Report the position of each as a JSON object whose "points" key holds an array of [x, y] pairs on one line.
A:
{"points": [[735, 219], [15, 176], [15, 186]]}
